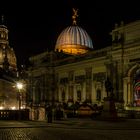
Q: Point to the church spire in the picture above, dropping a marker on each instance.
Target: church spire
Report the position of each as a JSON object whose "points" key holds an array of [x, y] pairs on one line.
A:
{"points": [[2, 19], [74, 16]]}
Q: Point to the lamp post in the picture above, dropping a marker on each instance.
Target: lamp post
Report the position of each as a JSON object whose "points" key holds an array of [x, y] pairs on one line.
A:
{"points": [[19, 86]]}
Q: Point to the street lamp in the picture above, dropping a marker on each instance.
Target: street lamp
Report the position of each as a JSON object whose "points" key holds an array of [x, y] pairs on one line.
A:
{"points": [[19, 86]]}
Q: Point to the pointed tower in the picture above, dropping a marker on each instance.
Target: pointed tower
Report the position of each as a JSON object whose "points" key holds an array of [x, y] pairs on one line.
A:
{"points": [[7, 55]]}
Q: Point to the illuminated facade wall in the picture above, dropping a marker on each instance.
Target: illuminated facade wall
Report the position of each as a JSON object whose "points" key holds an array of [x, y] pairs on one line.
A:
{"points": [[82, 78]]}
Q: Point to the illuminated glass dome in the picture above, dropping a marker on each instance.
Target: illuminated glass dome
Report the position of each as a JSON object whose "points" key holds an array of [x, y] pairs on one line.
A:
{"points": [[74, 40]]}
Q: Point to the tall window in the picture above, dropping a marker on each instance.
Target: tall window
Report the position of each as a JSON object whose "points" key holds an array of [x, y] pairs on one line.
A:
{"points": [[78, 95], [37, 95], [98, 95], [38, 92], [63, 95]]}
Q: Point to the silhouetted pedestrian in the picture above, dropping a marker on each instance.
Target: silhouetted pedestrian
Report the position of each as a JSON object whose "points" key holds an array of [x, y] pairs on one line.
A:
{"points": [[49, 114]]}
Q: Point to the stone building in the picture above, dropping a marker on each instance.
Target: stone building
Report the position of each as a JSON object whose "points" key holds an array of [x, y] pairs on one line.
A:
{"points": [[75, 72], [8, 72]]}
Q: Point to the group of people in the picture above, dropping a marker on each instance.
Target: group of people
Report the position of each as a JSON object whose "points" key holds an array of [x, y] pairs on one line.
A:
{"points": [[54, 113]]}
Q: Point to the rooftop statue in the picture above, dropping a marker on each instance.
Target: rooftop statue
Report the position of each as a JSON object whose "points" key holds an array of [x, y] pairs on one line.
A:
{"points": [[75, 15]]}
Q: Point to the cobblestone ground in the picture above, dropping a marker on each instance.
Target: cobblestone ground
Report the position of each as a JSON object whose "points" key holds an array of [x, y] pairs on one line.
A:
{"points": [[52, 133]]}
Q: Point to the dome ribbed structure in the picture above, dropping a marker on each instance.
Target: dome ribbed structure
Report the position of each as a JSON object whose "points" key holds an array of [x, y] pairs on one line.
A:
{"points": [[74, 40]]}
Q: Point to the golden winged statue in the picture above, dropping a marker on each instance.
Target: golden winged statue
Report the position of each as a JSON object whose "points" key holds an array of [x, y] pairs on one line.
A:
{"points": [[75, 15]]}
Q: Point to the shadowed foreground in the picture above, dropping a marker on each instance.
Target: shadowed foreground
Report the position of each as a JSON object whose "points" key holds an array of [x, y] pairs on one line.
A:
{"points": [[70, 129]]}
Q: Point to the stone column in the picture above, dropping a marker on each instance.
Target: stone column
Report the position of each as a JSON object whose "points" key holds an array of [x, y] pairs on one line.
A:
{"points": [[125, 90], [74, 93], [129, 91], [33, 94], [59, 95], [67, 94], [84, 92], [94, 92]]}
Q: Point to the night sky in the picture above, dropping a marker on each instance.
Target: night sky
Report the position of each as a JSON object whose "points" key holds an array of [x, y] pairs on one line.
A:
{"points": [[35, 25]]}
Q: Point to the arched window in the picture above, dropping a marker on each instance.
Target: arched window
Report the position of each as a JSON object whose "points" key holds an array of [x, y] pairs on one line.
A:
{"points": [[136, 88]]}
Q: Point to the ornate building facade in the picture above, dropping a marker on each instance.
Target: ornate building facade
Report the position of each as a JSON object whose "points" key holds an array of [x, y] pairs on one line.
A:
{"points": [[69, 76], [9, 99]]}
